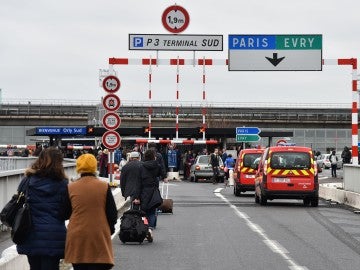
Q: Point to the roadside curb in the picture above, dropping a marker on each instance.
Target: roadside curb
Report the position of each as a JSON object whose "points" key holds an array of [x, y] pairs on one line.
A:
{"points": [[334, 192]]}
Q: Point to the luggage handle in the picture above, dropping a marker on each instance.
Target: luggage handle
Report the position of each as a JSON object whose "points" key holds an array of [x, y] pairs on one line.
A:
{"points": [[167, 190]]}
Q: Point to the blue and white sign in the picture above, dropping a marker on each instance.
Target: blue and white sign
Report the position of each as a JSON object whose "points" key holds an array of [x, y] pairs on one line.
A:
{"points": [[247, 130], [61, 131]]}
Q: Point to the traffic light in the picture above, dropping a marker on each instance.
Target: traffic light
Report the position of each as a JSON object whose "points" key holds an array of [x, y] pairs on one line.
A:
{"points": [[90, 130]]}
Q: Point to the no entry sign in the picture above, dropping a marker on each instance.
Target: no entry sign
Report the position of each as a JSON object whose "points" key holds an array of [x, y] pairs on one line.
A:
{"points": [[111, 121], [175, 19], [111, 139]]}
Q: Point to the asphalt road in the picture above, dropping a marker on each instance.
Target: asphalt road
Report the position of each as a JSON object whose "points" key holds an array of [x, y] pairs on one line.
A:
{"points": [[216, 230]]}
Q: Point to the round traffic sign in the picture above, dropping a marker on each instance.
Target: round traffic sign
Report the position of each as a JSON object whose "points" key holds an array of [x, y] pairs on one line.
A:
{"points": [[111, 139], [175, 19], [111, 121], [111, 102], [111, 84]]}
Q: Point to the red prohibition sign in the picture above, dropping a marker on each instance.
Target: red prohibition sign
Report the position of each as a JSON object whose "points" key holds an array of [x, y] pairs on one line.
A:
{"points": [[111, 139], [111, 84], [175, 19], [111, 102], [111, 121]]}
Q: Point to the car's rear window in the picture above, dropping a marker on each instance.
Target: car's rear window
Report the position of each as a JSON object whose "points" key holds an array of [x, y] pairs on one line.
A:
{"points": [[204, 159], [290, 160], [250, 158]]}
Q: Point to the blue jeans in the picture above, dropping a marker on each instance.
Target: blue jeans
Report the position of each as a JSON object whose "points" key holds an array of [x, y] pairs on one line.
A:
{"points": [[151, 216]]}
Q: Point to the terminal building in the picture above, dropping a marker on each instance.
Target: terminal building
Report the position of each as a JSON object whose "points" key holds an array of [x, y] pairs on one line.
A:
{"points": [[322, 127]]}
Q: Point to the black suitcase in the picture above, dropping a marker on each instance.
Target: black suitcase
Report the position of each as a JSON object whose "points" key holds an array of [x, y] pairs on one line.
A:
{"points": [[133, 227]]}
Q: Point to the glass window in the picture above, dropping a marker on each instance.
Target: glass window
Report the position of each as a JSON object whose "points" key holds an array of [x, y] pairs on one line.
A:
{"points": [[290, 160]]}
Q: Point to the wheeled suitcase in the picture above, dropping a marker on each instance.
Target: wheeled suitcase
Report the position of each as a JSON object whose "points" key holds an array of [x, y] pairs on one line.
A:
{"points": [[134, 226], [167, 205]]}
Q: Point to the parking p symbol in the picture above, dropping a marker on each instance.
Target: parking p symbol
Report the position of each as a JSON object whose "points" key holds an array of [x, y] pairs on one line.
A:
{"points": [[138, 42]]}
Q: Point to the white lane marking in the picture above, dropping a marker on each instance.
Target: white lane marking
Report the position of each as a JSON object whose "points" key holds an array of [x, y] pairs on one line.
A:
{"points": [[271, 244], [218, 190]]}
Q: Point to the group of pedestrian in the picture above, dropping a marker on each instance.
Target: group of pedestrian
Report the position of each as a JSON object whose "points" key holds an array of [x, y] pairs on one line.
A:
{"points": [[52, 200], [139, 180]]}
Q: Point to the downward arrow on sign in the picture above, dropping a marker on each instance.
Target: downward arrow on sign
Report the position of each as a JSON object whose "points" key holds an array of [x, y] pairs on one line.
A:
{"points": [[275, 60]]}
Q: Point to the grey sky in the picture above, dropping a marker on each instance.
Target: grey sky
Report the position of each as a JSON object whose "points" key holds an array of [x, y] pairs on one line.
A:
{"points": [[54, 49]]}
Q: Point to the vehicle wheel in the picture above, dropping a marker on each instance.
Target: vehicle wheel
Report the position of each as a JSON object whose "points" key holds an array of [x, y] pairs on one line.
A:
{"points": [[196, 179], [237, 191], [263, 200], [257, 199], [314, 202], [306, 201]]}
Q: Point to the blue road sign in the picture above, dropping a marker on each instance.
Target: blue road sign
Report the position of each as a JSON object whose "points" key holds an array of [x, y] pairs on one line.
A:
{"points": [[247, 130]]}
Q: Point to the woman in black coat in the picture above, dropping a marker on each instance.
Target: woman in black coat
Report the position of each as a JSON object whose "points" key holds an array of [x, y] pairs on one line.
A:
{"points": [[148, 196]]}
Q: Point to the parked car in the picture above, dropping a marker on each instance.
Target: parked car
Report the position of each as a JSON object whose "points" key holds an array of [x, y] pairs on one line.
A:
{"points": [[201, 169], [324, 162], [245, 170], [287, 172]]}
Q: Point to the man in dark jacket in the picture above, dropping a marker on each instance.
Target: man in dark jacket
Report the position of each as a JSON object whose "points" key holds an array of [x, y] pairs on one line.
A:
{"points": [[148, 195], [160, 161], [130, 176], [215, 164]]}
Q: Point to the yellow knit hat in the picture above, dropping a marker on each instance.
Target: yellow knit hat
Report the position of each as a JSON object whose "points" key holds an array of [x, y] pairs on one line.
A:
{"points": [[86, 163]]}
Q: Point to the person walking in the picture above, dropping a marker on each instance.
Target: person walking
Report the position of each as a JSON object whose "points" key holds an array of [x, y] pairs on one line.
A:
{"points": [[130, 176], [333, 160], [346, 155], [88, 241], [44, 245], [148, 194], [215, 164]]}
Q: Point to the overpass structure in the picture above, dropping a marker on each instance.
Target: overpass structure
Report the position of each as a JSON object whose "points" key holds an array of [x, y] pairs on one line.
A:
{"points": [[220, 115], [321, 126]]}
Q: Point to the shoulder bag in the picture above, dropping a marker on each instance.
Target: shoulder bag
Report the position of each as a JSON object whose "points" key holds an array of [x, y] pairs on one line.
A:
{"points": [[8, 213]]}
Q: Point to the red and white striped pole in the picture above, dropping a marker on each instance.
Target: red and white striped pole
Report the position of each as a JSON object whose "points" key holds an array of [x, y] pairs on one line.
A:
{"points": [[354, 109], [177, 99], [150, 94], [203, 109]]}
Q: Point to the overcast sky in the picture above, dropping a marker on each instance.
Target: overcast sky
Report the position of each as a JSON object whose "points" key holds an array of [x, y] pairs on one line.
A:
{"points": [[54, 49]]}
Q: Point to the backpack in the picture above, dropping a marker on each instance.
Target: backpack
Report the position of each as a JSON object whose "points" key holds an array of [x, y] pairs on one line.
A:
{"points": [[333, 159], [133, 227]]}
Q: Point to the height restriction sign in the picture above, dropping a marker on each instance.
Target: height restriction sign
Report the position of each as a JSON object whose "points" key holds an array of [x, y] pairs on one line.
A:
{"points": [[175, 19], [111, 84]]}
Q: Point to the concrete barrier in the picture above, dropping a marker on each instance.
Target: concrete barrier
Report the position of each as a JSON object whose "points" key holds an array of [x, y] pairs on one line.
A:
{"points": [[11, 260], [336, 194]]}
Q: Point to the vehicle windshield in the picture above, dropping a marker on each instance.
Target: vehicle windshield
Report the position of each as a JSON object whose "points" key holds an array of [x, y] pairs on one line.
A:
{"points": [[249, 159], [290, 160], [204, 159]]}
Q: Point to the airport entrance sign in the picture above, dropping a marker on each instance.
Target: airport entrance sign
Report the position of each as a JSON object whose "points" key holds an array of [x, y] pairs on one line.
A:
{"points": [[275, 52]]}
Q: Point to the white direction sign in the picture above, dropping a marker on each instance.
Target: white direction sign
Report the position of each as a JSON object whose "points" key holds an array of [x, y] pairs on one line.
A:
{"points": [[111, 139], [175, 42], [275, 52], [111, 121]]}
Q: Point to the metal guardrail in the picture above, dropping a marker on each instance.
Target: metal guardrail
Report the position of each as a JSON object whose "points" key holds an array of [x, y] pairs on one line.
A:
{"points": [[10, 179]]}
